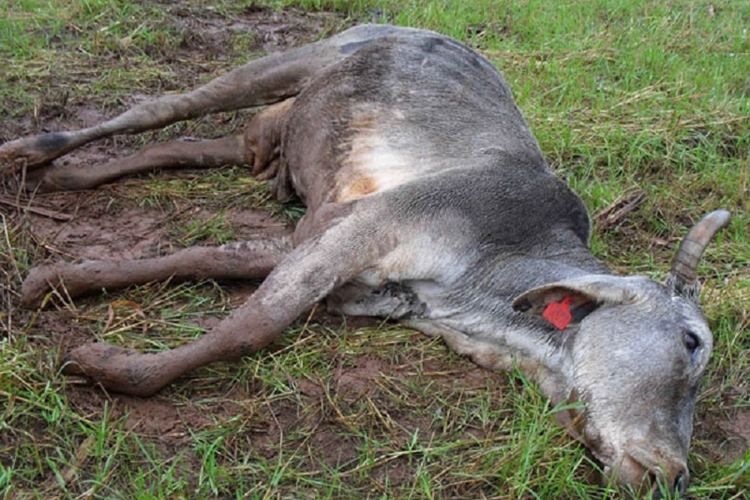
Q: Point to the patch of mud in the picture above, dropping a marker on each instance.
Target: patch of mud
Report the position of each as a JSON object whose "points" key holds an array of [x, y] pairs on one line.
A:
{"points": [[737, 429], [739, 424], [361, 377], [266, 30], [255, 223], [104, 227], [149, 417], [133, 234], [722, 429]]}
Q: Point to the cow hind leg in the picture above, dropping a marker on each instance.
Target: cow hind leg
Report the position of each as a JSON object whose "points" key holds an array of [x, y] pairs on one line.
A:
{"points": [[258, 83], [169, 155], [256, 146]]}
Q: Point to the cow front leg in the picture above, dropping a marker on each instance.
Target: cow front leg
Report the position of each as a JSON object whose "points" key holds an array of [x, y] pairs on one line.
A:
{"points": [[253, 259], [308, 274]]}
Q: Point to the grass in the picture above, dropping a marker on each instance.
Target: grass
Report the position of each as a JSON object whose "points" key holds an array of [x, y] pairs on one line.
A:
{"points": [[623, 95]]}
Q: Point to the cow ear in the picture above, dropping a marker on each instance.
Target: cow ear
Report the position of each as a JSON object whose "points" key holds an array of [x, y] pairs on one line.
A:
{"points": [[567, 303]]}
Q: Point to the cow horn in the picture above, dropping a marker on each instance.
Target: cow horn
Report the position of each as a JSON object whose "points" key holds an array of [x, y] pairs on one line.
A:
{"points": [[683, 275]]}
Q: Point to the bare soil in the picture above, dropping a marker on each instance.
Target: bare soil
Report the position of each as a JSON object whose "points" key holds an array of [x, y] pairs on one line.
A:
{"points": [[103, 224]]}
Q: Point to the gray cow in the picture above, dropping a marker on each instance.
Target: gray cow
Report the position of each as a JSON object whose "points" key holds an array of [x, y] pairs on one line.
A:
{"points": [[428, 201]]}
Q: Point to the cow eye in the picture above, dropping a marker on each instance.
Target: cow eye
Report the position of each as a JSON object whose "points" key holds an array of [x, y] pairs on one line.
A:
{"points": [[691, 341]]}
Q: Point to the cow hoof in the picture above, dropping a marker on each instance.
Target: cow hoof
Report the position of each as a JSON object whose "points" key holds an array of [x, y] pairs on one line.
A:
{"points": [[34, 151], [36, 285], [115, 368]]}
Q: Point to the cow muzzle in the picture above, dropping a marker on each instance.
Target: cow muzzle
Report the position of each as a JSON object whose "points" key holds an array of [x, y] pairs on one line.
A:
{"points": [[642, 472]]}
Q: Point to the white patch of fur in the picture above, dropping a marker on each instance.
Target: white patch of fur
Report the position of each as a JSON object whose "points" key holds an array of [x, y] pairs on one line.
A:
{"points": [[372, 157]]}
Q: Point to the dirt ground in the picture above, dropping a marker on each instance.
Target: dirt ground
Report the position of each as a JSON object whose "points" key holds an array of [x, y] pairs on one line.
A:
{"points": [[105, 224]]}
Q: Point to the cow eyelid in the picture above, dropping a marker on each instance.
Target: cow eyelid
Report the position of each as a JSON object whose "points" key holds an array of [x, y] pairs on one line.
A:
{"points": [[691, 340]]}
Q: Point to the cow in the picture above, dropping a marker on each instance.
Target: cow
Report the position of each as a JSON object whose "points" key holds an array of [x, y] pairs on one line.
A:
{"points": [[429, 202]]}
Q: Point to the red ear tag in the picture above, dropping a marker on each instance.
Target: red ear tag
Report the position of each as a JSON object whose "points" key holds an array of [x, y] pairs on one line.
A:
{"points": [[558, 313]]}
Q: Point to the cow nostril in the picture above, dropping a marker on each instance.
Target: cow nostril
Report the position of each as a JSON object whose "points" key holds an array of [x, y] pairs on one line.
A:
{"points": [[680, 483], [655, 485], [675, 491]]}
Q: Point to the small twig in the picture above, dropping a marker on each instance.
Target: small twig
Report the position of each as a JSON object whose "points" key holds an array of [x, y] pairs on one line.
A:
{"points": [[52, 214], [613, 213]]}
